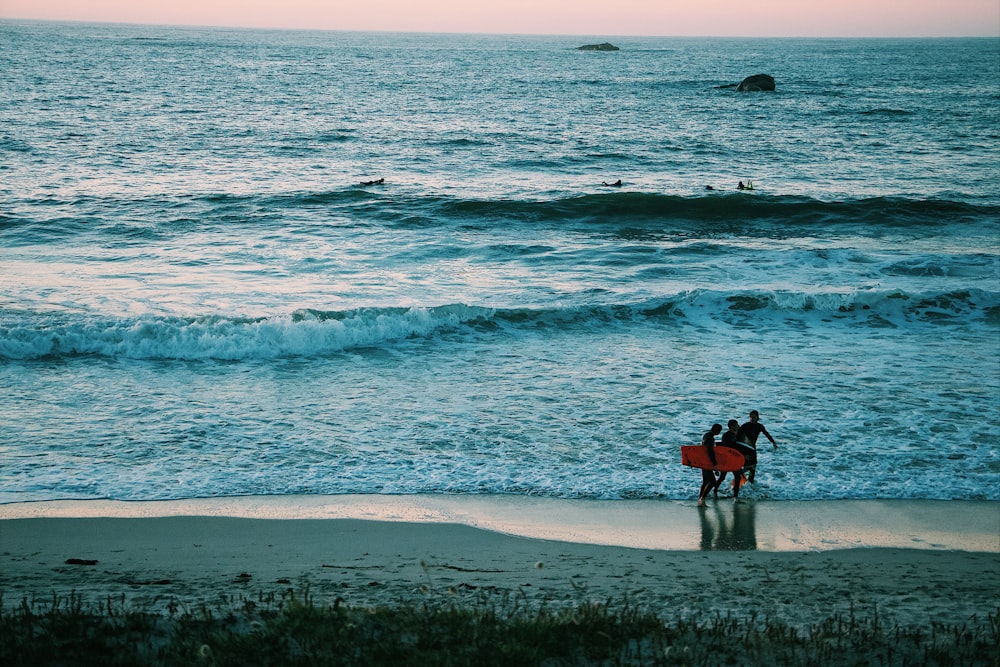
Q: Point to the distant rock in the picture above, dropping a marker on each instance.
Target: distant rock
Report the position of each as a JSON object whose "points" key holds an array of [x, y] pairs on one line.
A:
{"points": [[598, 47], [755, 83]]}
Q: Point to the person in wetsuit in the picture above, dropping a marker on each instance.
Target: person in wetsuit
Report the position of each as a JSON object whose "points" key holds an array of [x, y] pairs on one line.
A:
{"points": [[748, 434], [730, 439], [708, 476]]}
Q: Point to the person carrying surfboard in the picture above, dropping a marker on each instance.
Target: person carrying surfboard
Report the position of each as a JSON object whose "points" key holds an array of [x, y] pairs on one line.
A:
{"points": [[729, 439], [708, 476], [748, 433]]}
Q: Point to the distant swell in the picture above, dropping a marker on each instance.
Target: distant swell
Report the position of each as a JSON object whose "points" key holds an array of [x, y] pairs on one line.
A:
{"points": [[310, 333], [658, 209], [716, 212]]}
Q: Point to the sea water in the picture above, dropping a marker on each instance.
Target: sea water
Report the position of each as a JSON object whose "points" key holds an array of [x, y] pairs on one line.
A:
{"points": [[198, 298]]}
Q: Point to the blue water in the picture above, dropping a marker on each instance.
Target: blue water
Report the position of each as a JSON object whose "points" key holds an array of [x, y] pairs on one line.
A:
{"points": [[198, 298]]}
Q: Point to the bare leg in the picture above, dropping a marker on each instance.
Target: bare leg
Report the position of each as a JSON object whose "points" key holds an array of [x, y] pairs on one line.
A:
{"points": [[718, 483], [737, 483], [707, 483]]}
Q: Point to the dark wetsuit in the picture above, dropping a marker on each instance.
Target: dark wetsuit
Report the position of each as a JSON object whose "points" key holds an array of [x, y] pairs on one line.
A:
{"points": [[708, 476], [729, 439], [749, 433]]}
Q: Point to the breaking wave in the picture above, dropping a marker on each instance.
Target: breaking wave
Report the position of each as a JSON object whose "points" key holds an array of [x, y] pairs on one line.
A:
{"points": [[311, 333]]}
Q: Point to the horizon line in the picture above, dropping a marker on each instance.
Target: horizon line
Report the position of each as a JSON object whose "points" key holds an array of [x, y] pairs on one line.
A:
{"points": [[209, 26]]}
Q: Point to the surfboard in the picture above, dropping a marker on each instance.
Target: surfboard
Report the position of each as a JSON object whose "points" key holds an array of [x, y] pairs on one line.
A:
{"points": [[696, 456]]}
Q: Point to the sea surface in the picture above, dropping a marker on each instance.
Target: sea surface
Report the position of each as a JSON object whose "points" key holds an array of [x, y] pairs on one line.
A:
{"points": [[198, 298]]}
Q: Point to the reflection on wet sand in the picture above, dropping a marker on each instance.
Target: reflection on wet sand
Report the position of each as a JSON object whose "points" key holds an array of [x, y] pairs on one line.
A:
{"points": [[728, 527]]}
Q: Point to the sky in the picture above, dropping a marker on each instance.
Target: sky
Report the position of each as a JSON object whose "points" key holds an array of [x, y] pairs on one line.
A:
{"points": [[668, 18]]}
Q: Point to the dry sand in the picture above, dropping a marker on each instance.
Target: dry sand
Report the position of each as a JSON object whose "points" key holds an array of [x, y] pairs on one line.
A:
{"points": [[919, 569]]}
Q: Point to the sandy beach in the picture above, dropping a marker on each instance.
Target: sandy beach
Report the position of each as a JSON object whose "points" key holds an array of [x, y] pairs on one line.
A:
{"points": [[192, 552]]}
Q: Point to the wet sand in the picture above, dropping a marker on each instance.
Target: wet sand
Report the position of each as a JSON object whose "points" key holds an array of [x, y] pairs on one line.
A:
{"points": [[915, 562]]}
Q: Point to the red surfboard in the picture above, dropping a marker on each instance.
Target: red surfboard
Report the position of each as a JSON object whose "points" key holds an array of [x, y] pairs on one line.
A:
{"points": [[696, 456]]}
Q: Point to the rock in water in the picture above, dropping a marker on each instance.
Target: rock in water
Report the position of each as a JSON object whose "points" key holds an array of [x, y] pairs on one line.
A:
{"points": [[598, 47], [755, 83]]}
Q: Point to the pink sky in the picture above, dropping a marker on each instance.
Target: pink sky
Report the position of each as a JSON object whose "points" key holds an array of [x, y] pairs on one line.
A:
{"points": [[573, 17]]}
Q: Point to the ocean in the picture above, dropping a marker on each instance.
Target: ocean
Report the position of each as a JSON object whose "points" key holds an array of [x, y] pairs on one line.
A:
{"points": [[199, 298]]}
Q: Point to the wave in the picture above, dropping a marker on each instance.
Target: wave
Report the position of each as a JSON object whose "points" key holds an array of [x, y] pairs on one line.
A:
{"points": [[14, 145], [215, 337], [315, 333], [886, 112], [712, 212], [728, 210]]}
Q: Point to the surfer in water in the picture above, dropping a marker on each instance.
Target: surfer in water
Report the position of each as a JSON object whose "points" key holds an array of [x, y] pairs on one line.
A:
{"points": [[616, 184], [729, 439], [748, 434], [708, 480]]}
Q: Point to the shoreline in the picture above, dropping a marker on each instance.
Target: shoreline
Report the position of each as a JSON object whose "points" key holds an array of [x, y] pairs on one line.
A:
{"points": [[164, 564], [155, 557], [666, 525]]}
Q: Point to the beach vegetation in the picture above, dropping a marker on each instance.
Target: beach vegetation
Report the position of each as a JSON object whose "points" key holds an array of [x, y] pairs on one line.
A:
{"points": [[496, 628]]}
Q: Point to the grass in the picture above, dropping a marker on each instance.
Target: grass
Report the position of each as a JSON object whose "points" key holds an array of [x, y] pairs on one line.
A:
{"points": [[495, 629]]}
